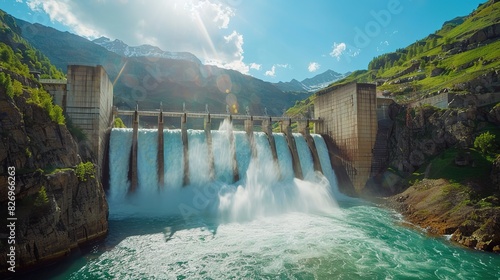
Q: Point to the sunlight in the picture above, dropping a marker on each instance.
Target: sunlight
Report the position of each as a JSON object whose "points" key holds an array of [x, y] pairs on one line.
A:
{"points": [[120, 72], [206, 35]]}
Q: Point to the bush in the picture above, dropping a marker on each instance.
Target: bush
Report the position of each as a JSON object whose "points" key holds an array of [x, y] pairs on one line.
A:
{"points": [[43, 99], [84, 171], [485, 142], [119, 123], [6, 83], [56, 114], [41, 199]]}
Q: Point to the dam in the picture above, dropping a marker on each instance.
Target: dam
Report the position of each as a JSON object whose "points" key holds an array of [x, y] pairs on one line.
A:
{"points": [[345, 116], [211, 143]]}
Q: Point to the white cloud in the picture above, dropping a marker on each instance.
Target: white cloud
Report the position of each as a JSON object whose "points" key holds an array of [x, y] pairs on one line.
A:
{"points": [[353, 52], [338, 50], [233, 54], [60, 11], [255, 66], [272, 72], [199, 27], [19, 1], [313, 67], [382, 45]]}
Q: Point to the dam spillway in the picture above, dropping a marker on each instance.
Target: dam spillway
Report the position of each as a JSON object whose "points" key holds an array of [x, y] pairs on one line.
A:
{"points": [[261, 179]]}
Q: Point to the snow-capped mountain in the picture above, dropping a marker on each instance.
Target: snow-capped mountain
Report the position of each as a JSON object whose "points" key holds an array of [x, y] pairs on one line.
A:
{"points": [[311, 84], [119, 47]]}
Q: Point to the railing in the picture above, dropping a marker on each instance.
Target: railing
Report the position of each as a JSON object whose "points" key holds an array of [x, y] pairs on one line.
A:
{"points": [[213, 116]]}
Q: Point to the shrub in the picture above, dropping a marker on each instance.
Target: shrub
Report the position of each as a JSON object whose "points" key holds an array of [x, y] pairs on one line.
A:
{"points": [[42, 98], [119, 123], [84, 171], [6, 83], [56, 114], [485, 142], [41, 198]]}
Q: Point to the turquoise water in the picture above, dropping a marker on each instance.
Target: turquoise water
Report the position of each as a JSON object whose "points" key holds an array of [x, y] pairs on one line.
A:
{"points": [[268, 225], [358, 241]]}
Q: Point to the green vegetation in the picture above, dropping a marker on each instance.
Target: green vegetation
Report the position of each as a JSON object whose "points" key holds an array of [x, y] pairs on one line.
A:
{"points": [[118, 123], [41, 198], [43, 99], [84, 171], [485, 142], [12, 87], [444, 166], [28, 152], [21, 61], [18, 55], [359, 76], [11, 61]]}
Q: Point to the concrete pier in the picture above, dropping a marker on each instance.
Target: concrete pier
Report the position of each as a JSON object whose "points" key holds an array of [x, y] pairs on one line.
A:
{"points": [[208, 136], [267, 122], [133, 157], [303, 127], [184, 137], [287, 129], [236, 174], [268, 130], [251, 138], [160, 156]]}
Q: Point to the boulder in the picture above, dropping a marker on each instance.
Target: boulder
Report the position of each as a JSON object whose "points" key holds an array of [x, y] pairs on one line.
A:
{"points": [[437, 71]]}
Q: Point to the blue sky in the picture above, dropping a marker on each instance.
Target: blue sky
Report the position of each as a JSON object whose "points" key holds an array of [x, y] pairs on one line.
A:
{"points": [[273, 40]]}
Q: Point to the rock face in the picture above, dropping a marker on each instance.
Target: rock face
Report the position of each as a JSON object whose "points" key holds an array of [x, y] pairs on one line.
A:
{"points": [[56, 210], [495, 174], [469, 211], [426, 131], [482, 232], [438, 207]]}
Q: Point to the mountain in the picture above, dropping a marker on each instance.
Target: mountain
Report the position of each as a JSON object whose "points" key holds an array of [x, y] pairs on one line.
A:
{"points": [[64, 48], [122, 49], [171, 78], [311, 84]]}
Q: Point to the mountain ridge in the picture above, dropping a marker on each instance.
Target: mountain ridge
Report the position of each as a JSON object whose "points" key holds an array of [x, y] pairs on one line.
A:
{"points": [[121, 48], [311, 84]]}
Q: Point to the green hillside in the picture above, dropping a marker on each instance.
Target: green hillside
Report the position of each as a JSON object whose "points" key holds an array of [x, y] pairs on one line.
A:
{"points": [[17, 55], [450, 59], [18, 62]]}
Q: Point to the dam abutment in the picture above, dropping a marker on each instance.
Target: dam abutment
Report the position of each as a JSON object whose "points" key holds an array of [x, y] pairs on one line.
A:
{"points": [[349, 114]]}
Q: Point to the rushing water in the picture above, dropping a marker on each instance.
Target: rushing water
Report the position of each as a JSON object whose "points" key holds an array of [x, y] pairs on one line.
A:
{"points": [[268, 225]]}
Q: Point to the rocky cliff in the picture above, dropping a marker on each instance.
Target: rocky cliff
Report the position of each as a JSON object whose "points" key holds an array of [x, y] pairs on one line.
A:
{"points": [[58, 205]]}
